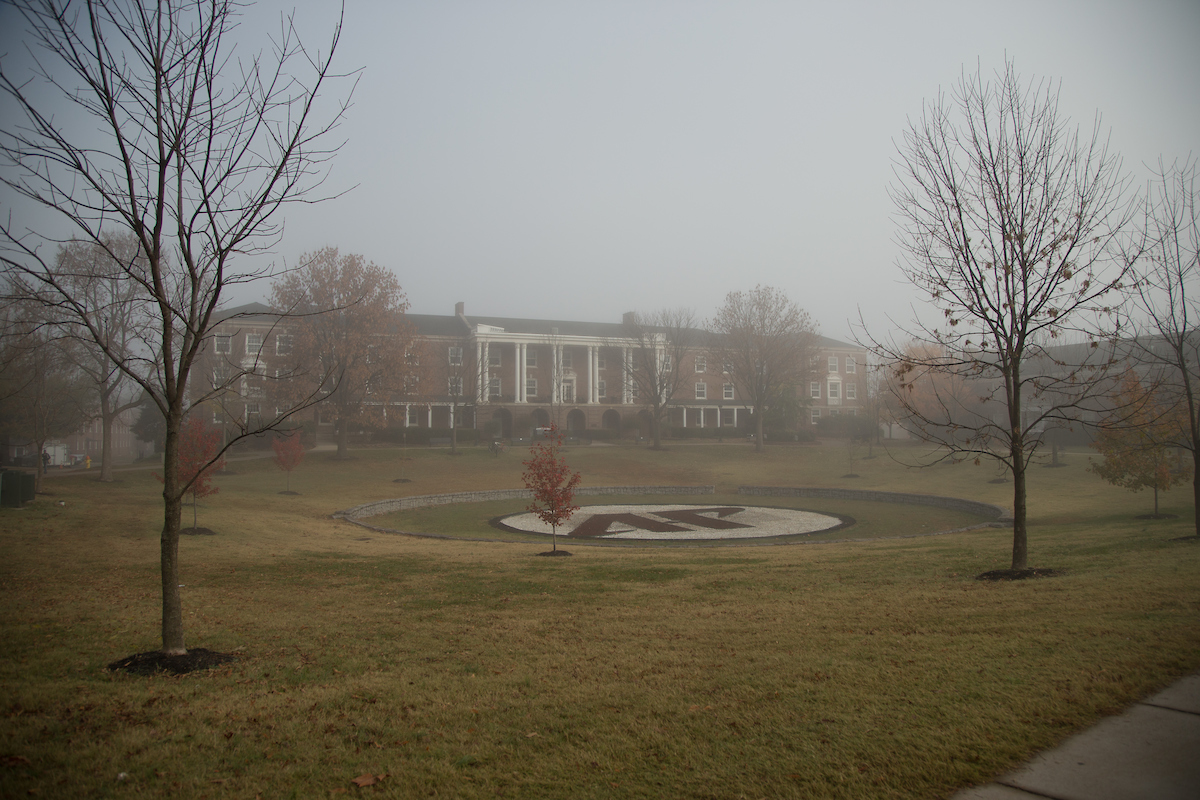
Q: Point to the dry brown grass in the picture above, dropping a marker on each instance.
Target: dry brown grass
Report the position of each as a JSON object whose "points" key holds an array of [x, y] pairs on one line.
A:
{"points": [[471, 669]]}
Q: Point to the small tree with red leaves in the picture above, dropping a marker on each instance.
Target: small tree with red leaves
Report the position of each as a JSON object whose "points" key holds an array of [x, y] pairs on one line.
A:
{"points": [[198, 446], [289, 452], [552, 483]]}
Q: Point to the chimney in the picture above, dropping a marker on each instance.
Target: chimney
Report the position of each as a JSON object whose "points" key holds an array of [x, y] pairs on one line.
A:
{"points": [[629, 318], [460, 308]]}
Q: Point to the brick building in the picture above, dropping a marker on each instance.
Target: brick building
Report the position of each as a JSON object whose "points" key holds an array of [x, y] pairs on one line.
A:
{"points": [[504, 375]]}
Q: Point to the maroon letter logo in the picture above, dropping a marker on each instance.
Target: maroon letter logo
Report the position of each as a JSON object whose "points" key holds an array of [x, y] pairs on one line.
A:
{"points": [[598, 524]]}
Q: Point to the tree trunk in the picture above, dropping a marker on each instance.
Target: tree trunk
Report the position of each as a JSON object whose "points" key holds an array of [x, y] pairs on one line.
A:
{"points": [[107, 418], [172, 606], [453, 431], [39, 472], [759, 443], [343, 437], [1020, 553], [1156, 501], [655, 433]]}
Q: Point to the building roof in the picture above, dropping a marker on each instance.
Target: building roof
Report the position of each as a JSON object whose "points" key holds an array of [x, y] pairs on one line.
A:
{"points": [[247, 310], [438, 325]]}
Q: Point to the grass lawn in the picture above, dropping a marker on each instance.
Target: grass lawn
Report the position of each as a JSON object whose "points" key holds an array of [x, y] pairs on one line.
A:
{"points": [[468, 668]]}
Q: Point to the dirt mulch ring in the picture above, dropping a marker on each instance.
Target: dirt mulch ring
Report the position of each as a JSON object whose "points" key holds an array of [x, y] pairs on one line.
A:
{"points": [[555, 553], [197, 532], [1018, 574], [155, 662]]}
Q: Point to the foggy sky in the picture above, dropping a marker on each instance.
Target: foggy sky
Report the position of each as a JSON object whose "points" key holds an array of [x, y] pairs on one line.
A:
{"points": [[577, 160]]}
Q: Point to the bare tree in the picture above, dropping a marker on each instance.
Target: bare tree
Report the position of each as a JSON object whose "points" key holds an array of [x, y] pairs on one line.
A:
{"points": [[764, 342], [44, 395], [659, 342], [113, 305], [1169, 345], [350, 337], [1009, 225], [138, 117]]}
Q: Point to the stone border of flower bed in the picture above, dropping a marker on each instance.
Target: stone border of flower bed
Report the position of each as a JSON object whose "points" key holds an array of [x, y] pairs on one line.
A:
{"points": [[1000, 516]]}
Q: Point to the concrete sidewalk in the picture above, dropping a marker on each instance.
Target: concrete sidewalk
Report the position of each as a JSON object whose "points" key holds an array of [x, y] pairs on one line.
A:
{"points": [[1150, 752]]}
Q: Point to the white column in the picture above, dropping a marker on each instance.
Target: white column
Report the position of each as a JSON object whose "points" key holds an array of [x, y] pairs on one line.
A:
{"points": [[555, 373], [626, 376], [519, 359], [486, 369], [684, 410], [429, 416], [479, 351], [591, 372]]}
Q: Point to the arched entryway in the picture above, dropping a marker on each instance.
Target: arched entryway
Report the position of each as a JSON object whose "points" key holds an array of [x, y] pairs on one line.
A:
{"points": [[611, 421], [541, 419], [576, 421], [503, 420]]}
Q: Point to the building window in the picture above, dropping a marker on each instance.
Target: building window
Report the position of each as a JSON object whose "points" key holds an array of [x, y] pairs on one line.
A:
{"points": [[600, 362], [217, 419], [566, 359], [531, 387], [222, 372], [283, 344], [454, 356], [835, 391], [253, 343], [814, 390], [494, 359], [454, 385], [816, 415], [568, 391], [851, 391], [222, 344], [727, 391], [701, 391], [253, 412], [666, 362], [833, 364], [727, 368], [851, 365], [531, 357], [601, 392], [493, 388], [701, 364], [412, 359], [410, 416], [411, 383]]}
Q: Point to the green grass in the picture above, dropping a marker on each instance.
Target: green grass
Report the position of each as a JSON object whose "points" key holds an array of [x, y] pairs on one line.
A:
{"points": [[467, 668]]}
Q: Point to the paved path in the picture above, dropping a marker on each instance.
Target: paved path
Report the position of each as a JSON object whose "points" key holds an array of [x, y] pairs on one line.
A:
{"points": [[1151, 752]]}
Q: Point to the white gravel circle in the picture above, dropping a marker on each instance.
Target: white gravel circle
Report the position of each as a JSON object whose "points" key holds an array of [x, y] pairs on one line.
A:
{"points": [[690, 523]]}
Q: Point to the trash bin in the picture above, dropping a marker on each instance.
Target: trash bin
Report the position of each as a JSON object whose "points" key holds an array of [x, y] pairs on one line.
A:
{"points": [[17, 487]]}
